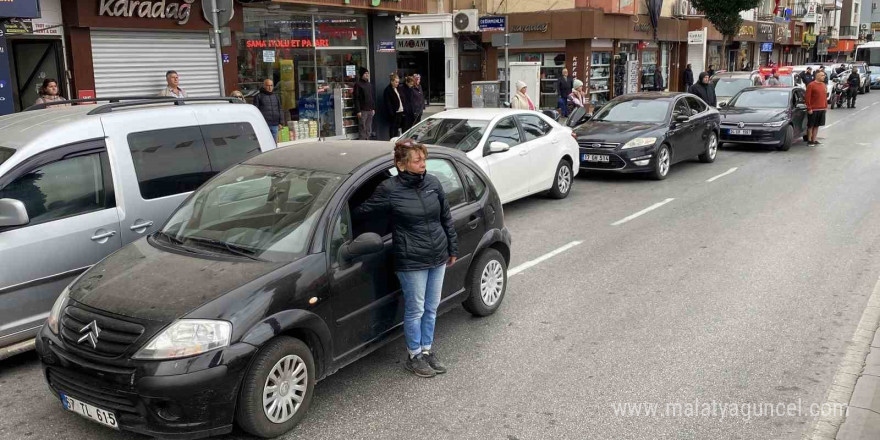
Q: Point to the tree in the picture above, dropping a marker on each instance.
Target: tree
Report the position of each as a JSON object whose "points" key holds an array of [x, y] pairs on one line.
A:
{"points": [[724, 15]]}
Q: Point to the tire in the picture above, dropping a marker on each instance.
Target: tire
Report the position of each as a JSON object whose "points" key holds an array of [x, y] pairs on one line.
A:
{"points": [[662, 163], [787, 140], [484, 298], [562, 180], [251, 412], [711, 149]]}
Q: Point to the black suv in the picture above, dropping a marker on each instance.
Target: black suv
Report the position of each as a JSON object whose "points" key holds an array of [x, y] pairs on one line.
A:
{"points": [[259, 285]]}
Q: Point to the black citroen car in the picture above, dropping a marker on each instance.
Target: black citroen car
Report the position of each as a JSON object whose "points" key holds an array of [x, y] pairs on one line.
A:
{"points": [[258, 286], [771, 116], [647, 133]]}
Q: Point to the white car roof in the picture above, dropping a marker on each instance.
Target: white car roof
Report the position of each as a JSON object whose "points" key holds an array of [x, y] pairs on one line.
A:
{"points": [[480, 114]]}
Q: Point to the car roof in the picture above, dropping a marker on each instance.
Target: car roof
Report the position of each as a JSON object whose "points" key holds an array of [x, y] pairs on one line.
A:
{"points": [[781, 87], [660, 96], [735, 74], [479, 114], [19, 129], [335, 156]]}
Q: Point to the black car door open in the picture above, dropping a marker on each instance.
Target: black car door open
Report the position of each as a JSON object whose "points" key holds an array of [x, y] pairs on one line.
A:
{"points": [[702, 125], [799, 115], [681, 133]]}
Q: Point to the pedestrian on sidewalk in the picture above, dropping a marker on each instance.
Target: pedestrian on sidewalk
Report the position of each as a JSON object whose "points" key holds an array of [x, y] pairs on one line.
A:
{"points": [[49, 93], [521, 100], [564, 86], [406, 94], [364, 104], [578, 96], [172, 88], [704, 90], [817, 103], [393, 106], [688, 77], [418, 99], [269, 105], [807, 76], [425, 244], [855, 83]]}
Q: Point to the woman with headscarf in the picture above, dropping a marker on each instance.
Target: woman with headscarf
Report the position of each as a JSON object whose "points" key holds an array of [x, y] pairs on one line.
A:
{"points": [[578, 96], [521, 100], [704, 90]]}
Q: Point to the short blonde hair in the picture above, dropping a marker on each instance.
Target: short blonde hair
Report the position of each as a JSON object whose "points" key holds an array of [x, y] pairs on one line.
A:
{"points": [[405, 148]]}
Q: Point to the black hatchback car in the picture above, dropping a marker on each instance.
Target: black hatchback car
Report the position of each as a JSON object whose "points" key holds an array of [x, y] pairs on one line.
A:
{"points": [[258, 286], [647, 133], [771, 116]]}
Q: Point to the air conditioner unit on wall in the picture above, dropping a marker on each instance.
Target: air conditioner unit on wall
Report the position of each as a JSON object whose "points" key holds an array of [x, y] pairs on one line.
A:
{"points": [[683, 8], [465, 20]]}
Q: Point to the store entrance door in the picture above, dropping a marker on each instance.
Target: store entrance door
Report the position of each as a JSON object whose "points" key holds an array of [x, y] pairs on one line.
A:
{"points": [[34, 61]]}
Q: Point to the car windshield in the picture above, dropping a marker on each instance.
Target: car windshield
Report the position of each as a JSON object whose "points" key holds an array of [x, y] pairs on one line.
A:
{"points": [[786, 80], [730, 86], [257, 212], [462, 134], [5, 153], [761, 98], [634, 110]]}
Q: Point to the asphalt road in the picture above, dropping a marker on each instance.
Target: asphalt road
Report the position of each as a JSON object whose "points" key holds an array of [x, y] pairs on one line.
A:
{"points": [[743, 290]]}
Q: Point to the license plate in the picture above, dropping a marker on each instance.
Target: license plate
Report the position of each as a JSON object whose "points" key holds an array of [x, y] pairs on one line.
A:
{"points": [[91, 412], [742, 132], [596, 158]]}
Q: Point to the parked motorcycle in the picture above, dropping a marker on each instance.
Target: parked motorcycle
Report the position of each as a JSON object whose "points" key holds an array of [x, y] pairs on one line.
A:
{"points": [[839, 92]]}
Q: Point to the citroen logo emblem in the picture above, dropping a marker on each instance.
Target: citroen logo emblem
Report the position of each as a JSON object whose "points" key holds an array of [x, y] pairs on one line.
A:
{"points": [[741, 124], [92, 336]]}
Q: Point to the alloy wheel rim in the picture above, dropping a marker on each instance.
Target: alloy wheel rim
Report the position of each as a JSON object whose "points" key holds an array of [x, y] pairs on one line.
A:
{"points": [[285, 389], [564, 179], [492, 283], [664, 162], [713, 146]]}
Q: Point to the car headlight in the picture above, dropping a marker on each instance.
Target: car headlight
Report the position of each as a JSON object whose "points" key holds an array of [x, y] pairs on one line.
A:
{"points": [[187, 337], [640, 142], [774, 124], [54, 321]]}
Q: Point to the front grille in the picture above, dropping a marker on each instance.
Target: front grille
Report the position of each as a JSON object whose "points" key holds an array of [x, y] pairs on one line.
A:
{"points": [[745, 124], [90, 390], [114, 338], [588, 144]]}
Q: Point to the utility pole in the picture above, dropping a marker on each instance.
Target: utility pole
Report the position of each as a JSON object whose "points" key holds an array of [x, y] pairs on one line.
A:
{"points": [[217, 42], [507, 57]]}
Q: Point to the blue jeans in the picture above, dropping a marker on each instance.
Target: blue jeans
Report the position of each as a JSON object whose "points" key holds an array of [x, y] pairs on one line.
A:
{"points": [[274, 130], [421, 296], [563, 104]]}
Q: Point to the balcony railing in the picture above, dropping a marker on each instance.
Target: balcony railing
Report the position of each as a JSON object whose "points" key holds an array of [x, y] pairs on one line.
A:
{"points": [[849, 32]]}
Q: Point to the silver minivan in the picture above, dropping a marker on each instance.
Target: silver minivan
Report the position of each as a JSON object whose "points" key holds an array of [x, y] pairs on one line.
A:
{"points": [[77, 183]]}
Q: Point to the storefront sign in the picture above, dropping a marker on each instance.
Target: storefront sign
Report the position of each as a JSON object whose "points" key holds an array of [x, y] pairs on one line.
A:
{"points": [[810, 15], [875, 27], [809, 40], [268, 56], [18, 28], [85, 94], [412, 29], [642, 27], [541, 27], [178, 11], [746, 31], [766, 47], [492, 24], [375, 2], [783, 34], [287, 44], [412, 45], [385, 46], [696, 37], [20, 9], [765, 32], [632, 76]]}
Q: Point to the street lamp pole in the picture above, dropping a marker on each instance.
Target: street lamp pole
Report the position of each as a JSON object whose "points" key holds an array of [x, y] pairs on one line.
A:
{"points": [[217, 42]]}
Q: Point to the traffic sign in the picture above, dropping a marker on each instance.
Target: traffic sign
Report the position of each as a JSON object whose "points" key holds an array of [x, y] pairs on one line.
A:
{"points": [[225, 14], [492, 23], [515, 40]]}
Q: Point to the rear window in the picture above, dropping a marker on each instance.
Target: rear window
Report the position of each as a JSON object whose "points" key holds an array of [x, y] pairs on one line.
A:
{"points": [[5, 153], [178, 160]]}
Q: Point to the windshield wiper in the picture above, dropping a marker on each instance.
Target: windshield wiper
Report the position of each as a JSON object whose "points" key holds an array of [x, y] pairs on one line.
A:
{"points": [[230, 248]]}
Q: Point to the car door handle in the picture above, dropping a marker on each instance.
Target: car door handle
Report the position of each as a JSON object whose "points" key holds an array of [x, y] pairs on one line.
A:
{"points": [[523, 152], [475, 221], [143, 225], [103, 236], [555, 140]]}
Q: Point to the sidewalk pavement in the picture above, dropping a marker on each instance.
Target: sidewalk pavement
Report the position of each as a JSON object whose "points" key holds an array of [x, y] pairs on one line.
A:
{"points": [[863, 414]]}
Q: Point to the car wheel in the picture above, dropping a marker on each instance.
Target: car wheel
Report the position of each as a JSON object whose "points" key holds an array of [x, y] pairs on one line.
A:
{"points": [[662, 163], [277, 389], [711, 149], [787, 140], [562, 181], [488, 282]]}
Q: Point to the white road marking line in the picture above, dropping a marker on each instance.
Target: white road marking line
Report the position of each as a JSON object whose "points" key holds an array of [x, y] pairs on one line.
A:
{"points": [[723, 174], [642, 212], [841, 389], [830, 125], [516, 270], [863, 109]]}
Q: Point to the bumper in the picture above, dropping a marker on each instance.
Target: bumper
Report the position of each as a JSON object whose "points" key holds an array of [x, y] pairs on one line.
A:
{"points": [[184, 398], [759, 136], [633, 160]]}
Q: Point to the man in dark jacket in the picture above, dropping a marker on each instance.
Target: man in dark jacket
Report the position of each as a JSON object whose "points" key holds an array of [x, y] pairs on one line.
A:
{"points": [[394, 106], [855, 83], [269, 105], [563, 87], [364, 104], [658, 81], [704, 90], [407, 95], [688, 77], [807, 76], [418, 96]]}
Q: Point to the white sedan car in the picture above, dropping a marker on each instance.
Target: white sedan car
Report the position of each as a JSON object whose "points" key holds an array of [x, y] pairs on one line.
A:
{"points": [[523, 152]]}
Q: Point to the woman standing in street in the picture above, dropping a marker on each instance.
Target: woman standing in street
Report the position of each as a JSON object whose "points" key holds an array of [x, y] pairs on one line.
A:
{"points": [[425, 243], [394, 106], [578, 96], [521, 100]]}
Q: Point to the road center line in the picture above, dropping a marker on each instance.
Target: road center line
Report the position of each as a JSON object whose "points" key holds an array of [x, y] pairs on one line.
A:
{"points": [[642, 212], [516, 270], [723, 174]]}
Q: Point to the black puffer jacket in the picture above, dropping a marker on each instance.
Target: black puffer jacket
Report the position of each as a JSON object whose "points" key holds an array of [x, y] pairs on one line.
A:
{"points": [[422, 229], [269, 105], [706, 92]]}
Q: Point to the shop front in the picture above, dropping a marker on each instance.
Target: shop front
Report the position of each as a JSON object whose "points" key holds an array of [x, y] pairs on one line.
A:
{"points": [[766, 35], [424, 44], [740, 54]]}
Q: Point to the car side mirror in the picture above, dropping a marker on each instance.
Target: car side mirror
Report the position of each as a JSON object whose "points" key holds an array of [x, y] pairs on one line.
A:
{"points": [[552, 114], [395, 139], [13, 213], [578, 117], [365, 244], [498, 147], [723, 104]]}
